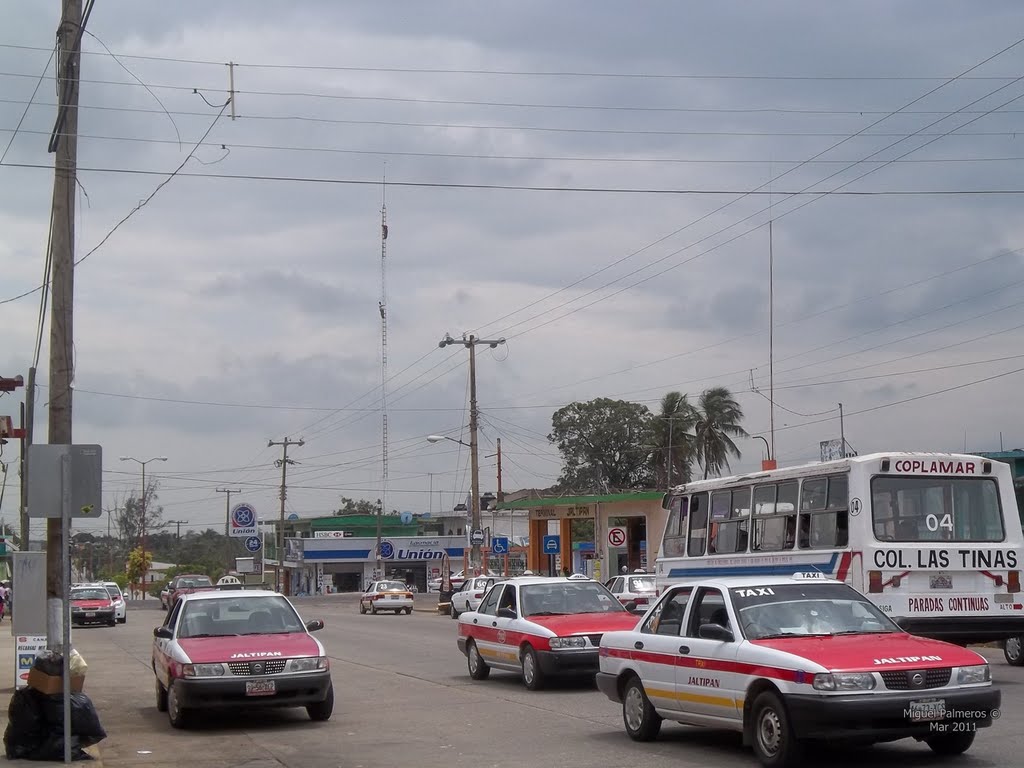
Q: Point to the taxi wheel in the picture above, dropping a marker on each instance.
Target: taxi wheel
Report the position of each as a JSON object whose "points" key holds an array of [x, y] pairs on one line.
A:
{"points": [[408, 611], [478, 668], [1012, 651], [773, 739], [321, 711], [373, 609], [533, 675], [452, 611], [641, 721], [950, 743], [161, 697], [362, 608], [176, 714]]}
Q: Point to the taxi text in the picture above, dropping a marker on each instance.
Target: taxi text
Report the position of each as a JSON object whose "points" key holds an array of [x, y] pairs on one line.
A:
{"points": [[907, 659]]}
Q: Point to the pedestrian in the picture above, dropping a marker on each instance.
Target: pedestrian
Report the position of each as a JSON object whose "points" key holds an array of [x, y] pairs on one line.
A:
{"points": [[3, 600]]}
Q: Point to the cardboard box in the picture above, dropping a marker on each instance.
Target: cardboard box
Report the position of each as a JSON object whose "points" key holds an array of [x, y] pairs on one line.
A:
{"points": [[53, 684]]}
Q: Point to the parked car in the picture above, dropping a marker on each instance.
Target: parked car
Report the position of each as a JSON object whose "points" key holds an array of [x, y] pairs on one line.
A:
{"points": [[387, 595], [185, 584], [786, 660], [91, 604], [469, 596], [120, 606], [235, 650], [636, 589]]}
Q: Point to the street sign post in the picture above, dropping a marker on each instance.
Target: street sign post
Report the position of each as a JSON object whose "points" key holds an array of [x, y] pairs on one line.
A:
{"points": [[616, 537], [243, 521], [50, 487], [499, 545], [477, 537], [254, 543], [552, 547]]}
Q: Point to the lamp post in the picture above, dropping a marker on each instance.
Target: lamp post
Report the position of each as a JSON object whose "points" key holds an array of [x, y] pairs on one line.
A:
{"points": [[143, 464], [475, 558]]}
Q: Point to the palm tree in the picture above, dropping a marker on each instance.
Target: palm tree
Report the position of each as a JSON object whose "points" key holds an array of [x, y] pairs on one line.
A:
{"points": [[673, 440], [718, 422]]}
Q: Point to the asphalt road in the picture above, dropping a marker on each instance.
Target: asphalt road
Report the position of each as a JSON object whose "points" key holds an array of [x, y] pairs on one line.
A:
{"points": [[404, 698]]}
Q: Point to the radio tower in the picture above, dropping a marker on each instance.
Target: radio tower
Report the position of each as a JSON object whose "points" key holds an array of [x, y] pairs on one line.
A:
{"points": [[383, 306]]}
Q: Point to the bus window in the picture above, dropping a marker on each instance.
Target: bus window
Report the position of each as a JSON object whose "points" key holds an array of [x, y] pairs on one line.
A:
{"points": [[824, 505], [774, 517], [730, 516], [960, 509], [674, 544], [698, 524]]}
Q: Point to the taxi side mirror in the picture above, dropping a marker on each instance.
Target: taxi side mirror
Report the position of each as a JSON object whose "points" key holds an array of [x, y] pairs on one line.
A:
{"points": [[715, 632], [506, 613], [164, 633], [315, 625]]}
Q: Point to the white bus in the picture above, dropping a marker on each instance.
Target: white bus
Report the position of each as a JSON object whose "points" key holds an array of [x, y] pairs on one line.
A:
{"points": [[933, 539]]}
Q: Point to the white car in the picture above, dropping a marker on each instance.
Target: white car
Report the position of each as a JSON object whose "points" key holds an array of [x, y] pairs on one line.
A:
{"points": [[387, 595], [636, 588], [469, 597], [120, 606], [791, 659]]}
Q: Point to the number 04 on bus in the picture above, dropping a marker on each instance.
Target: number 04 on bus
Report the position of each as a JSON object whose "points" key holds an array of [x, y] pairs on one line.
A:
{"points": [[933, 539]]}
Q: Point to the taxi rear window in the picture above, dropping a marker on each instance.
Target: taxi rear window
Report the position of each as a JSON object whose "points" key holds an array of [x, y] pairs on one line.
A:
{"points": [[392, 586]]}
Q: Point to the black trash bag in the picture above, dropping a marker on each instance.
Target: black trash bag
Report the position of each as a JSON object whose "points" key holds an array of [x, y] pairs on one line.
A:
{"points": [[85, 722], [27, 728], [50, 663], [52, 748]]}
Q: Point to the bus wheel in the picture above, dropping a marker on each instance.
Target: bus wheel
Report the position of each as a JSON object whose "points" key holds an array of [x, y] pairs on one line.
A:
{"points": [[1012, 651]]}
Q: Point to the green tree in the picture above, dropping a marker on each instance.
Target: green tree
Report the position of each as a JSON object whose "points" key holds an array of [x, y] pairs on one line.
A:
{"points": [[138, 566], [603, 443], [717, 423], [673, 442]]}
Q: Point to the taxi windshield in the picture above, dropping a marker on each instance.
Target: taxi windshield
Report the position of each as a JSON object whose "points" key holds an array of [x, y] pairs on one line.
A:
{"points": [[563, 598], [392, 586], [89, 594], [252, 615], [802, 610]]}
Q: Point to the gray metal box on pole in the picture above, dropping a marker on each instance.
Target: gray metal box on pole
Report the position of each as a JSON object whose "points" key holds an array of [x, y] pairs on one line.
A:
{"points": [[45, 489]]}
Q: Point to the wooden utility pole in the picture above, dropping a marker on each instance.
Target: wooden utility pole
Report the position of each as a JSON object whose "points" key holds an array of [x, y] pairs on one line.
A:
{"points": [[28, 411], [228, 560], [283, 463], [62, 289]]}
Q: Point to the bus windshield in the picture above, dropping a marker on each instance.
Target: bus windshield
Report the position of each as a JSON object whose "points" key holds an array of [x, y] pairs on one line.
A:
{"points": [[922, 509]]}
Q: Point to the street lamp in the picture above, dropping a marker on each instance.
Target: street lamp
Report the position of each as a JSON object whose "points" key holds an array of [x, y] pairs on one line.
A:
{"points": [[439, 438], [143, 536], [476, 558]]}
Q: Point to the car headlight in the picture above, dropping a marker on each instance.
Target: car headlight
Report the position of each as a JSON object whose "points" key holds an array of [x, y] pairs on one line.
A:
{"points": [[844, 681], [976, 674], [568, 642], [202, 670], [308, 664]]}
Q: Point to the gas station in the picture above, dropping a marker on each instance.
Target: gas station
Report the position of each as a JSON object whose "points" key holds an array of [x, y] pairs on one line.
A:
{"points": [[627, 530]]}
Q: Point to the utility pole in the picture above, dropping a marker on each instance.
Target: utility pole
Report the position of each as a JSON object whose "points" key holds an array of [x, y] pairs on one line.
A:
{"points": [[28, 410], [283, 463], [227, 524], [471, 342], [177, 540], [668, 469], [62, 288], [842, 431]]}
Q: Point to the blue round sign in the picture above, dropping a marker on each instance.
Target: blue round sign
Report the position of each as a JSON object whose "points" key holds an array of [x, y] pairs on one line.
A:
{"points": [[254, 543], [293, 516], [243, 516], [406, 518], [387, 550]]}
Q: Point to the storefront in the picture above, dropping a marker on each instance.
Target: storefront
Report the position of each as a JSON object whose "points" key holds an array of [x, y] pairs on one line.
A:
{"points": [[349, 564]]}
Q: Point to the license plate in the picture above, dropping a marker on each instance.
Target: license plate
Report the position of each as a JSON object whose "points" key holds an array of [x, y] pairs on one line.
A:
{"points": [[260, 688], [925, 710], [90, 615], [394, 597], [1004, 597]]}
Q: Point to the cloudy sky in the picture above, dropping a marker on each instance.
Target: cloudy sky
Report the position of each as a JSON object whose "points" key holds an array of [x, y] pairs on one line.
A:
{"points": [[569, 176]]}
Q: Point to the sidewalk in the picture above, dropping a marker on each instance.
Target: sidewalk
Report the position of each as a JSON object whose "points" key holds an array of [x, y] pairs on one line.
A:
{"points": [[7, 688]]}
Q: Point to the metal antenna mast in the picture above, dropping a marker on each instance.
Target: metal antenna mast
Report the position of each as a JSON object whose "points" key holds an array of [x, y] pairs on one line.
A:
{"points": [[383, 305]]}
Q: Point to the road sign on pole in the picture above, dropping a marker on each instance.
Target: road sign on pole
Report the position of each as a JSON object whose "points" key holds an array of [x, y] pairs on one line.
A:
{"points": [[477, 537], [499, 545], [616, 537], [552, 545], [243, 521], [254, 543]]}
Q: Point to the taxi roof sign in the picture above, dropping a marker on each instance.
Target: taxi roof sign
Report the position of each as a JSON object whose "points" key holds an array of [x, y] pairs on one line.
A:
{"points": [[580, 576], [808, 575]]}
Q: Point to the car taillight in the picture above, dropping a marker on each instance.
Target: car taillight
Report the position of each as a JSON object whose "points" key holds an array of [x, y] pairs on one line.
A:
{"points": [[1013, 581], [641, 601], [874, 581], [409, 595]]}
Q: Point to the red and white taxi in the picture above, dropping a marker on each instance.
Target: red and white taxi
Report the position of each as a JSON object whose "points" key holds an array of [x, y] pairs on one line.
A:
{"points": [[789, 659], [90, 604], [540, 627], [233, 650], [638, 590], [388, 595]]}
